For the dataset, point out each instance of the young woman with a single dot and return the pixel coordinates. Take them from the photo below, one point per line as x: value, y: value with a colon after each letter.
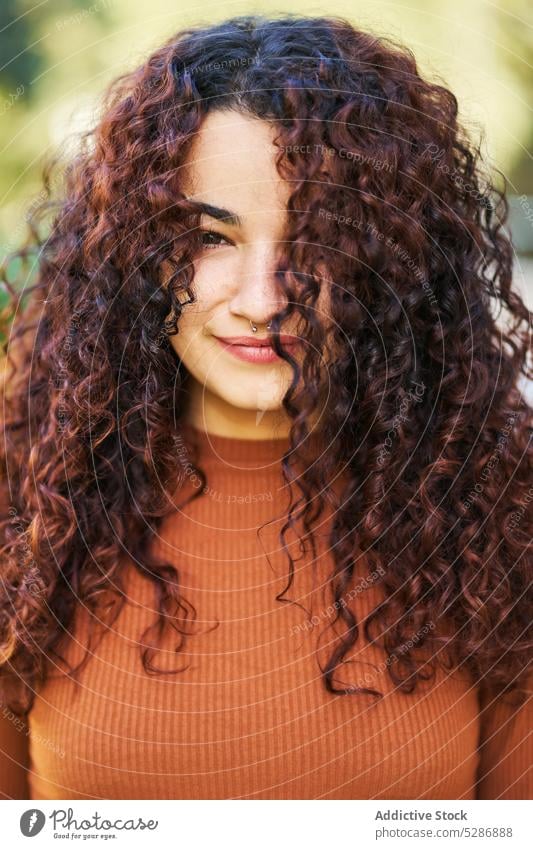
x: 267, y: 469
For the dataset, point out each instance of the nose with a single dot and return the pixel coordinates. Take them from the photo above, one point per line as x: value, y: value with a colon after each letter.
x: 257, y: 296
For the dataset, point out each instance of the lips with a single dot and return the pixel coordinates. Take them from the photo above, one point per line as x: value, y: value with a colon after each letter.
x: 254, y: 350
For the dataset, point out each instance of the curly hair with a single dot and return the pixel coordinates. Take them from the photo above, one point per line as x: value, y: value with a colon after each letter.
x: 390, y: 196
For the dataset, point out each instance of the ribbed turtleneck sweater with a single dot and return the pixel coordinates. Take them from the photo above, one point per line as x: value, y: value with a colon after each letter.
x: 250, y: 717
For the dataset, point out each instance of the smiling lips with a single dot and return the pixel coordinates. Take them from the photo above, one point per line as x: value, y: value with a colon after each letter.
x: 256, y: 350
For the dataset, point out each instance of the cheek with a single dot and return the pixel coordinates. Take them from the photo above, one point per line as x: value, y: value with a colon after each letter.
x: 212, y: 284
x: 210, y: 294
x: 212, y: 290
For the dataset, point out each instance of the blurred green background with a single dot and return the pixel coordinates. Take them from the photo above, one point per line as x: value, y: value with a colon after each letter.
x: 56, y: 57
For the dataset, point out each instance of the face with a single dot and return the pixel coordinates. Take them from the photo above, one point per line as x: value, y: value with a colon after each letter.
x: 236, y: 389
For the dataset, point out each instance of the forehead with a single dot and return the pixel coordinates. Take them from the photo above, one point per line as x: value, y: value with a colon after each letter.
x: 231, y: 163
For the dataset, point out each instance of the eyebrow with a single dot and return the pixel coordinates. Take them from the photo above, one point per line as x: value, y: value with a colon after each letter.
x: 219, y: 213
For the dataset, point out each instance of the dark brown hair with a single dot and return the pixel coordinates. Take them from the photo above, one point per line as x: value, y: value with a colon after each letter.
x: 389, y: 196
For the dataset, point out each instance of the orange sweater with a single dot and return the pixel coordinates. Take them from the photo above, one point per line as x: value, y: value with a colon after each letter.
x: 250, y: 717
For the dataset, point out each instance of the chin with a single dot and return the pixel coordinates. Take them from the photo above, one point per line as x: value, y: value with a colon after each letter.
x: 251, y: 402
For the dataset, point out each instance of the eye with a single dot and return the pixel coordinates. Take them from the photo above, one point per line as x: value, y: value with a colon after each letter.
x: 210, y: 239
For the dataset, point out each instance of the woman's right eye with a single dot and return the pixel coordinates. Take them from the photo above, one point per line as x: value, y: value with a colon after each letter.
x: 210, y: 239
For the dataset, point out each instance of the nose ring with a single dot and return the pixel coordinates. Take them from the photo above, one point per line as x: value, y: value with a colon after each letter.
x: 254, y: 328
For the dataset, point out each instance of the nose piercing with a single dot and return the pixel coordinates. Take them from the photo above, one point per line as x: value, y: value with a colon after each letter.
x: 254, y: 328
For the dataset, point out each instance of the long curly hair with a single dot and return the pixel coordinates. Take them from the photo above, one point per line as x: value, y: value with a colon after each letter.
x: 390, y: 198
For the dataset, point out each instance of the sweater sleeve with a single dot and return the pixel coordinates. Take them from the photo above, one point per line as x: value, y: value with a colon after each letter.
x: 506, y: 745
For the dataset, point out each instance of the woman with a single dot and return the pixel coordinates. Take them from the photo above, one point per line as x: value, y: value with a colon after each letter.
x: 266, y: 457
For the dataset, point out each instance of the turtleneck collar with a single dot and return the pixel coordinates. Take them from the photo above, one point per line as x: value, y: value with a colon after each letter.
x: 236, y: 450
